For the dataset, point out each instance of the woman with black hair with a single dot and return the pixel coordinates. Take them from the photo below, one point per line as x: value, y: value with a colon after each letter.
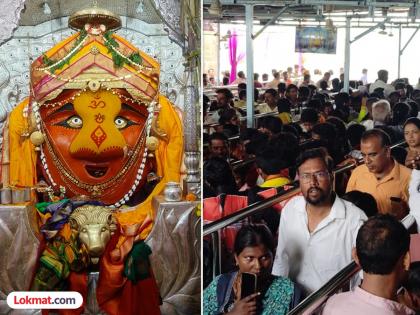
x: 412, y: 137
x: 254, y: 247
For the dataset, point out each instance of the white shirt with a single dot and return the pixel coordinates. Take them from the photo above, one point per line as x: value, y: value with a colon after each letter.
x: 311, y: 259
x: 388, y: 88
x: 364, y: 79
x: 273, y: 84
x: 368, y: 123
x: 318, y: 84
x: 263, y: 108
x: 414, y: 195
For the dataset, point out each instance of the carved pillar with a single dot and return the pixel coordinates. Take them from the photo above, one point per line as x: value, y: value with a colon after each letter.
x: 192, y: 183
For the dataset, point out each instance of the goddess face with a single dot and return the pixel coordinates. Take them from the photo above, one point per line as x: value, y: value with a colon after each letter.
x: 95, y: 142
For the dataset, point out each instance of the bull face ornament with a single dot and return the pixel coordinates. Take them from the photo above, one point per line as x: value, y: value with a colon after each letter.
x: 95, y: 225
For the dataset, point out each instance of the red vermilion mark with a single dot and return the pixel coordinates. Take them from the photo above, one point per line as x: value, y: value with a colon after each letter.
x: 98, y: 136
x: 94, y: 104
x: 99, y: 118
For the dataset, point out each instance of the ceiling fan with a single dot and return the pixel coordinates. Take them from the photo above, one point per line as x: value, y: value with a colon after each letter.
x: 215, y: 9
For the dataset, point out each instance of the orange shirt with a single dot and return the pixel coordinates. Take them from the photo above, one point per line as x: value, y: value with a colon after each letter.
x: 395, y: 184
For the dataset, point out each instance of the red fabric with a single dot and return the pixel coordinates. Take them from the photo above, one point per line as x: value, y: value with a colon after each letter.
x: 415, y: 247
x: 212, y: 210
x: 77, y: 282
x: 118, y: 296
x: 234, y: 203
x: 270, y: 192
x: 115, y: 294
x: 229, y: 235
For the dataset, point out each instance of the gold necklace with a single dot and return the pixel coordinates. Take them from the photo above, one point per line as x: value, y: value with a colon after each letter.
x: 96, y: 190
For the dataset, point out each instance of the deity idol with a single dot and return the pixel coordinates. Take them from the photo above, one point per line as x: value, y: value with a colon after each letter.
x: 96, y: 129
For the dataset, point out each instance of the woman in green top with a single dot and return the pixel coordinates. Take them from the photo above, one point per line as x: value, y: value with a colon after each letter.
x: 253, y: 248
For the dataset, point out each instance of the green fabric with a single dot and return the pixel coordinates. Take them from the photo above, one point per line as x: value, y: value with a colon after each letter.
x: 41, y: 206
x: 210, y: 306
x: 276, y: 300
x: 47, y: 280
x: 57, y: 260
x: 137, y: 265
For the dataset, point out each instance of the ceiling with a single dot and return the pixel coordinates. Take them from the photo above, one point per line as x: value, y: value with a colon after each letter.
x: 316, y: 10
x: 34, y: 14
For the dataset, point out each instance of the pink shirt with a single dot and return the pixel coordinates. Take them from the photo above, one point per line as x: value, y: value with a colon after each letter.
x: 361, y: 302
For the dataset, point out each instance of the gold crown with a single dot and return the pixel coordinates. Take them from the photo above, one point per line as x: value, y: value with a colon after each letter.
x: 94, y: 16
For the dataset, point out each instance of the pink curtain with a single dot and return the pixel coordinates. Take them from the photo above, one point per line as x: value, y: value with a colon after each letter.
x: 233, y: 58
x: 301, y: 61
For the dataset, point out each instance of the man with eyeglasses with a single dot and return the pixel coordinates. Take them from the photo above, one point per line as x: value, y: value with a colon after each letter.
x: 318, y: 229
x: 381, y: 176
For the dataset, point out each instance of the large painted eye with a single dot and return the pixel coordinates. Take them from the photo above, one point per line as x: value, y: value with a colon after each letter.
x: 75, y: 122
x: 120, y: 122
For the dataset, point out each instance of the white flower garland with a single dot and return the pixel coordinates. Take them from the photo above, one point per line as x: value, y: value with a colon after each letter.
x: 140, y: 171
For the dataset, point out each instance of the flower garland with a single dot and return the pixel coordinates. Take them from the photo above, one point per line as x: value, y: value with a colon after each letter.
x: 54, y: 65
x: 140, y: 171
x: 119, y: 58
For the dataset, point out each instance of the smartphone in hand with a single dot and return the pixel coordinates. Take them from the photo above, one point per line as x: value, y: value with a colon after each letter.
x: 399, y: 207
x: 248, y: 284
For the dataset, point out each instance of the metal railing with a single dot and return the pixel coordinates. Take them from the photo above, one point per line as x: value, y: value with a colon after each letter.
x: 314, y: 301
x: 214, y: 227
x: 254, y: 208
x: 237, y: 164
x: 257, y: 116
x: 248, y: 211
x: 242, y: 119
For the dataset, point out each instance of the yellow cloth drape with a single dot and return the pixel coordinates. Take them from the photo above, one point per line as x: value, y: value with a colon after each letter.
x: 275, y: 182
x: 363, y: 112
x: 286, y: 118
x: 22, y: 153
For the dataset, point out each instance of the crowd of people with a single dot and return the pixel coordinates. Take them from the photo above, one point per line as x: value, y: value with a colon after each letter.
x: 307, y: 131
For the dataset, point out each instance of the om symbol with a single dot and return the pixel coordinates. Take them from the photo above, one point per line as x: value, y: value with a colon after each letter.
x: 99, y: 118
x: 94, y: 104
